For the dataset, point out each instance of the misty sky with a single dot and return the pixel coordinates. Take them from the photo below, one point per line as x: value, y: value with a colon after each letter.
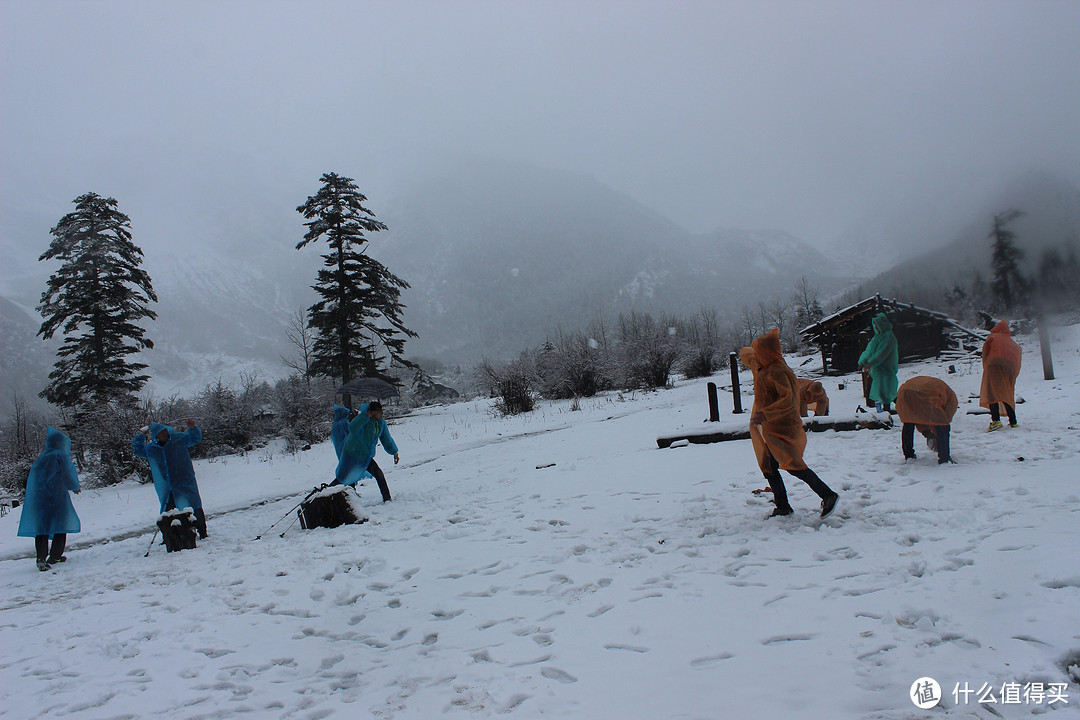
x: 812, y: 117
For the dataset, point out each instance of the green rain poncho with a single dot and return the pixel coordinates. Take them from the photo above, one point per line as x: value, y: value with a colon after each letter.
x: 882, y: 357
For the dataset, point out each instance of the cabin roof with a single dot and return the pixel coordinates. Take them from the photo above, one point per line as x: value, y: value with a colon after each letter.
x: 877, y: 304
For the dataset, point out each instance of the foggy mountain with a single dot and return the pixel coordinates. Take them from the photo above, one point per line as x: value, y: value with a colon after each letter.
x: 1051, y: 219
x: 499, y: 255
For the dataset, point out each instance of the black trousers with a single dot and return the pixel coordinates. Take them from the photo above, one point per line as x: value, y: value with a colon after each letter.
x: 779, y: 491
x: 940, y: 436
x: 41, y: 545
x: 995, y: 412
x: 376, y: 471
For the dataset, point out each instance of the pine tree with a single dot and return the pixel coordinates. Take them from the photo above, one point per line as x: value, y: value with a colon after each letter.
x: 1008, y: 284
x: 97, y: 297
x: 358, y: 317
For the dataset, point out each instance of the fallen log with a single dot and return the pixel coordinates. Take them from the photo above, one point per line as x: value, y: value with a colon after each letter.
x: 725, y: 431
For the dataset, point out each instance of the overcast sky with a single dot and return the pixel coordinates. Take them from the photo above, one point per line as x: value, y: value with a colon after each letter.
x: 812, y: 117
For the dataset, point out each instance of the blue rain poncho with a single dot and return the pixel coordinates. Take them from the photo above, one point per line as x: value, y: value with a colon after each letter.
x: 340, y: 429
x: 359, y: 451
x: 170, y: 464
x: 882, y: 357
x: 47, y: 509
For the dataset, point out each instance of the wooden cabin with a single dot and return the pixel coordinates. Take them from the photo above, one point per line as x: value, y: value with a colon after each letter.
x: 920, y: 334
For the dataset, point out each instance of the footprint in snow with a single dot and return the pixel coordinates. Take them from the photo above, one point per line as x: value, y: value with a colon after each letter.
x: 630, y: 648
x: 710, y: 660
x: 557, y: 674
x: 787, y: 638
x: 213, y: 653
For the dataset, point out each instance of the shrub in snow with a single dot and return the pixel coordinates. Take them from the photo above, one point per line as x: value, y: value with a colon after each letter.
x: 511, y: 383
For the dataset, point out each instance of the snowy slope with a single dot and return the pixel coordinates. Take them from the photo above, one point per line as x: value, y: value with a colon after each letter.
x: 623, y: 582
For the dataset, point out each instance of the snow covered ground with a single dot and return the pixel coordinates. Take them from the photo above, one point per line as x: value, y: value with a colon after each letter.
x: 623, y: 581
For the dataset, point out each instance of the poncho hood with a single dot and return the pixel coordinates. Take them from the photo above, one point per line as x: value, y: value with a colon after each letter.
x: 749, y: 359
x: 56, y: 440
x: 156, y: 428
x: 881, y: 323
x: 1003, y: 328
x: 341, y: 412
x: 767, y: 348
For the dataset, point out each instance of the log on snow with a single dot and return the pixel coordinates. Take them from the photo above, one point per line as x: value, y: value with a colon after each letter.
x: 723, y: 432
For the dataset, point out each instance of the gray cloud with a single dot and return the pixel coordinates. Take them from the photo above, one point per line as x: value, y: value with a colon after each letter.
x: 812, y: 117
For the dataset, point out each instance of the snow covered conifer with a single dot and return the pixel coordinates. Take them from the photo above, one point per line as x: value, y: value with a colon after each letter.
x: 358, y: 316
x: 1009, y: 285
x: 96, y: 298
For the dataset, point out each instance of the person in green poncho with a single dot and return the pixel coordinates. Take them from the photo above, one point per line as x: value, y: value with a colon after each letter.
x: 881, y: 359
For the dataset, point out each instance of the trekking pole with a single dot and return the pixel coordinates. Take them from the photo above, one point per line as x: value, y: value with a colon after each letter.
x: 156, y: 531
x: 289, y: 527
x: 259, y: 537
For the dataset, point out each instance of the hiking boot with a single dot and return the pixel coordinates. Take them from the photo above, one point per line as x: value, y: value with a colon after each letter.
x: 53, y: 561
x: 1014, y: 425
x: 828, y: 505
x: 994, y: 425
x: 779, y: 512
x: 43, y: 566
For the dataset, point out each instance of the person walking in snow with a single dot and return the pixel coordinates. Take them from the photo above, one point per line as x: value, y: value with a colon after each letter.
x: 881, y: 359
x: 776, y: 429
x: 357, y: 459
x: 1001, y: 364
x: 170, y: 465
x: 928, y: 405
x: 812, y: 396
x: 47, y: 510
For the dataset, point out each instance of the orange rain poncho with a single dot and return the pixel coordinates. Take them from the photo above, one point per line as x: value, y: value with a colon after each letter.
x: 1001, y: 365
x: 776, y: 400
x: 812, y: 396
x: 926, y: 402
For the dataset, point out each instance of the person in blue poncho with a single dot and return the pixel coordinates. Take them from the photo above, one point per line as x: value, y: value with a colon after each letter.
x: 170, y: 464
x: 881, y: 359
x: 47, y: 510
x: 340, y: 429
x: 357, y: 458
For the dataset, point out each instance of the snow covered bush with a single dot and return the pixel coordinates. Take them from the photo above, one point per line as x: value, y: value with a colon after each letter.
x: 646, y: 350
x: 512, y: 383
x: 572, y: 365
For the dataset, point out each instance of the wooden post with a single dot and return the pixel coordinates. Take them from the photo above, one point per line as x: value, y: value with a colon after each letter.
x: 736, y: 395
x: 714, y: 404
x: 1044, y: 346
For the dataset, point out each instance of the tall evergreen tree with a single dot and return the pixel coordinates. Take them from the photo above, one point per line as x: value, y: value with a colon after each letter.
x: 97, y: 297
x: 358, y: 316
x: 1008, y: 284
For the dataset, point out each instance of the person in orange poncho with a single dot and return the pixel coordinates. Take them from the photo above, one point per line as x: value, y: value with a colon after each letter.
x: 1001, y: 365
x: 812, y: 396
x: 776, y: 429
x: 926, y: 404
